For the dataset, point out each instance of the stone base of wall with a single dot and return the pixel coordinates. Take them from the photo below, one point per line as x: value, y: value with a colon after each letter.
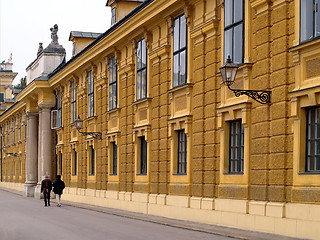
x: 288, y: 219
x: 12, y: 186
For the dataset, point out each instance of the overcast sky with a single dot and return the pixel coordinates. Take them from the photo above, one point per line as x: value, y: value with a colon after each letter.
x: 25, y: 23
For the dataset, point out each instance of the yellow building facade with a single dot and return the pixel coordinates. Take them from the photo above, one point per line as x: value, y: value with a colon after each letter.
x: 162, y: 135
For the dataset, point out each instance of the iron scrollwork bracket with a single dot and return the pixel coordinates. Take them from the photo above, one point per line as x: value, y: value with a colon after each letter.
x: 261, y: 96
x: 92, y: 134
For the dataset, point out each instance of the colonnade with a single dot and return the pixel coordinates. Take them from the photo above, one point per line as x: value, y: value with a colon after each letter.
x: 39, y: 150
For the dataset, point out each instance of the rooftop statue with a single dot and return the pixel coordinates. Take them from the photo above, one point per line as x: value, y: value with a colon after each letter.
x: 10, y: 58
x: 40, y: 49
x: 54, y: 35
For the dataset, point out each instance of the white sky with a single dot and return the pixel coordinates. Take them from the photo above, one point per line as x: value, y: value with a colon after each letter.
x: 25, y: 23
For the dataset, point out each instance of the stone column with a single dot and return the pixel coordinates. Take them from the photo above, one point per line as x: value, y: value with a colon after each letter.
x: 45, y: 146
x: 39, y: 147
x: 37, y: 191
x: 31, y: 155
x: 46, y: 139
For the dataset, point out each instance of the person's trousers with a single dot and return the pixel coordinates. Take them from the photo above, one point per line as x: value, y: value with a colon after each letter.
x: 46, y: 196
x: 58, y: 196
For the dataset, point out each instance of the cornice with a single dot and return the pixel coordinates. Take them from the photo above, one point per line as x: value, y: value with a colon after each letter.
x: 105, y: 45
x: 33, y: 88
x: 12, y: 111
x: 8, y: 74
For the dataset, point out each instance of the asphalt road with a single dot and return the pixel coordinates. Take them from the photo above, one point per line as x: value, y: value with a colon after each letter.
x: 27, y: 218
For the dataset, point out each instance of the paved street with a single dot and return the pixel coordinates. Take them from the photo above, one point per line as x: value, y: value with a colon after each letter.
x: 27, y: 218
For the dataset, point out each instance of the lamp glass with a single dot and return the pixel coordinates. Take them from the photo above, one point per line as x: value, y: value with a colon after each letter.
x: 78, y: 123
x: 228, y: 72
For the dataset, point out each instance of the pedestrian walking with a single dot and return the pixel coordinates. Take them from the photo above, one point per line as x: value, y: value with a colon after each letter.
x: 58, y: 186
x: 46, y: 187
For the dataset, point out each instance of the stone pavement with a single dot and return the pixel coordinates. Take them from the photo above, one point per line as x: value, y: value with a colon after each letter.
x: 194, y: 226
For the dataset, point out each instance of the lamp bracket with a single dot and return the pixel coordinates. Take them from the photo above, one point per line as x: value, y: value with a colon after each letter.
x: 261, y: 96
x: 92, y: 134
x: 12, y: 154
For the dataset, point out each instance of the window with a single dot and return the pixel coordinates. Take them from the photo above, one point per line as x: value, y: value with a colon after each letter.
x: 114, y: 158
x: 20, y: 167
x: 313, y: 140
x: 179, y: 51
x: 182, y: 153
x: 113, y: 15
x: 19, y: 128
x: 8, y: 134
x: 3, y: 137
x: 73, y: 101
x: 112, y: 83
x: 143, y: 155
x: 60, y: 163
x: 58, y: 160
x: 59, y: 109
x: 90, y: 81
x: 234, y: 30
x: 13, y: 132
x: 92, y: 161
x: 309, y: 19
x: 25, y: 126
x: 141, y: 69
x: 75, y: 159
x: 236, y: 147
x: 56, y: 164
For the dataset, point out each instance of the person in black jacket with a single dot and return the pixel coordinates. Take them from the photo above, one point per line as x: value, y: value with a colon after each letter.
x: 46, y: 187
x: 58, y: 186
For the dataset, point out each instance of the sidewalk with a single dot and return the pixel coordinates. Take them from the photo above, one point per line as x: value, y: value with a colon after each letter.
x: 194, y: 226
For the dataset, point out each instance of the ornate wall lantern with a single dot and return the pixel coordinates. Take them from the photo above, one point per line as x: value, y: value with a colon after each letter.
x: 78, y: 123
x: 228, y: 73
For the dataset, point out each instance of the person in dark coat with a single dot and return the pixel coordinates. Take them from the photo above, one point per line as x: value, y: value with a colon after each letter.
x: 46, y: 187
x: 58, y: 186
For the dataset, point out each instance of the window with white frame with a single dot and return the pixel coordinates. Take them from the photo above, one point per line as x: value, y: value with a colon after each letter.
x: 90, y: 81
x: 179, y: 51
x: 309, y: 19
x: 112, y: 83
x: 234, y: 30
x: 73, y: 101
x: 59, y: 109
x: 141, y: 70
